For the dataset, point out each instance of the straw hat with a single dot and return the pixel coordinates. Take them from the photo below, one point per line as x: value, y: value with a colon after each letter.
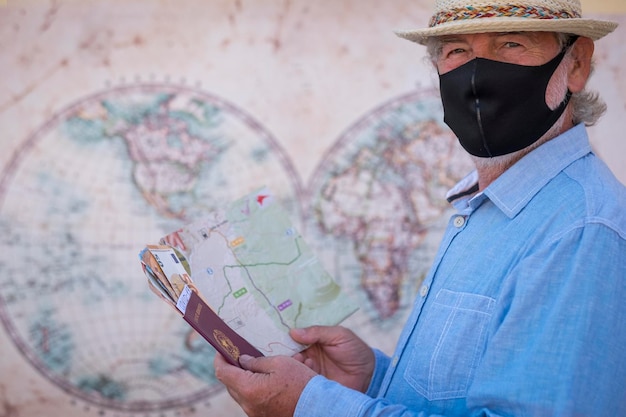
x: 454, y: 17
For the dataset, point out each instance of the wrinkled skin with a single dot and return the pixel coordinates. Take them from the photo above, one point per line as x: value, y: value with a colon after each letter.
x: 271, y: 386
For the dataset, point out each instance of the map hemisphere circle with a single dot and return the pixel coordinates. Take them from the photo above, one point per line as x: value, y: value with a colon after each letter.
x: 103, y: 177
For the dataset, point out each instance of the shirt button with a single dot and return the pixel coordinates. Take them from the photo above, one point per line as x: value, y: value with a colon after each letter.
x: 394, y: 362
x: 424, y: 290
x: 459, y: 221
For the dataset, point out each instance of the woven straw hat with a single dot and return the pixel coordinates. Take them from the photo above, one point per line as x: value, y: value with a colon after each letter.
x: 455, y: 17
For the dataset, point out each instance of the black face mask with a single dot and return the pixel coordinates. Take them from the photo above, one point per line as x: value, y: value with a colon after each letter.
x: 496, y: 108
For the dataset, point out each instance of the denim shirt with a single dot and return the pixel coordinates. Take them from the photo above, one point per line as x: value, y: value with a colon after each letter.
x: 523, y: 312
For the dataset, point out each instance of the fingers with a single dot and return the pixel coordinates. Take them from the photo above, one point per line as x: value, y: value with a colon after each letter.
x: 299, y: 357
x: 225, y: 372
x: 257, y: 365
x: 233, y: 378
x: 307, y: 335
x: 326, y: 335
x: 312, y: 365
x: 267, y: 386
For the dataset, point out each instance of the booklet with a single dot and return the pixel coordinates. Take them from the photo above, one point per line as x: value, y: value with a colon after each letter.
x: 243, y: 276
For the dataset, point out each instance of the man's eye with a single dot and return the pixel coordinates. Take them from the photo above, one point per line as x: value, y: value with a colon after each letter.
x: 454, y: 51
x: 512, y: 45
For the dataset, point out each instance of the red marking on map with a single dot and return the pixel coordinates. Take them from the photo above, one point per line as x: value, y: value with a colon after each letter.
x: 260, y: 198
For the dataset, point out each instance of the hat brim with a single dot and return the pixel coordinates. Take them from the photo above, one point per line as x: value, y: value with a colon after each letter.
x: 590, y: 28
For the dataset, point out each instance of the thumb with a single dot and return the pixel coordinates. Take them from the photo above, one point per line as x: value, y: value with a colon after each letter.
x: 317, y: 334
x: 306, y: 335
x: 256, y: 365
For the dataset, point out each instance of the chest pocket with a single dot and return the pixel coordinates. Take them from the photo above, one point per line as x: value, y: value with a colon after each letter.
x: 448, y: 344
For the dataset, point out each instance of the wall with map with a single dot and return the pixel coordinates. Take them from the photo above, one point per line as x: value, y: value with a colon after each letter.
x: 122, y: 120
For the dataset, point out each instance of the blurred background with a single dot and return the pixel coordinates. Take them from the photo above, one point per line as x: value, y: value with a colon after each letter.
x: 122, y: 120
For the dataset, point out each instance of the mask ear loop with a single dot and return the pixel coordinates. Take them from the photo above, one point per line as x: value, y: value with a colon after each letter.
x: 558, y: 111
x: 570, y: 42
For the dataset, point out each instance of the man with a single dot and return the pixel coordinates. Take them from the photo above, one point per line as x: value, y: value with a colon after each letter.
x: 522, y: 313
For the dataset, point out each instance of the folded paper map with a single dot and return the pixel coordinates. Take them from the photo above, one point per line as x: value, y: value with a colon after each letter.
x: 243, y: 276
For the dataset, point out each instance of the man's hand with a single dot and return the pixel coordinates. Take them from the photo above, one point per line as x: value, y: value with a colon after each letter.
x: 267, y: 386
x: 338, y: 354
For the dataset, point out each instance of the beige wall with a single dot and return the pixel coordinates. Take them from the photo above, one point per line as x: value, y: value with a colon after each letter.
x: 306, y: 70
x: 604, y: 6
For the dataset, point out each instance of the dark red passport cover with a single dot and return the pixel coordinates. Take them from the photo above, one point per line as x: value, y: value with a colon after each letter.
x: 210, y: 326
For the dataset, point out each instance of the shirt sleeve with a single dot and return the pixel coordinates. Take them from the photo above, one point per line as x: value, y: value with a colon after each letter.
x: 381, y: 364
x: 322, y: 398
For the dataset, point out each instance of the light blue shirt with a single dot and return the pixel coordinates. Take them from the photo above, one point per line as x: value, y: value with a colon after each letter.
x: 523, y: 312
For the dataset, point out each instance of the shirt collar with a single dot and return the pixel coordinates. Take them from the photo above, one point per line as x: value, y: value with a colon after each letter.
x: 512, y: 190
x: 464, y: 189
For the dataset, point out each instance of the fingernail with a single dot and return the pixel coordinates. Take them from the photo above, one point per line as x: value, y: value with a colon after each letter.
x: 244, y: 359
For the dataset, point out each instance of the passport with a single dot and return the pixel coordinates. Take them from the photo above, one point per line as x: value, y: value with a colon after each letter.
x: 168, y: 278
x: 210, y: 326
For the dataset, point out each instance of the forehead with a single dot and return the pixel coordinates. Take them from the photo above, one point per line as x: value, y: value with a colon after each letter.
x: 536, y: 38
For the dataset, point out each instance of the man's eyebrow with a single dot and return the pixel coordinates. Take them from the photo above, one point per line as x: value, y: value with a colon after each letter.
x: 529, y: 35
x: 450, y: 39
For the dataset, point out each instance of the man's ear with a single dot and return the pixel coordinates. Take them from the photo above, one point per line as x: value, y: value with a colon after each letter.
x: 581, y: 55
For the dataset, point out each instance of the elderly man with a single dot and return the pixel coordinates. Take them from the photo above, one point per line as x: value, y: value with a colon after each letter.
x: 523, y: 311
